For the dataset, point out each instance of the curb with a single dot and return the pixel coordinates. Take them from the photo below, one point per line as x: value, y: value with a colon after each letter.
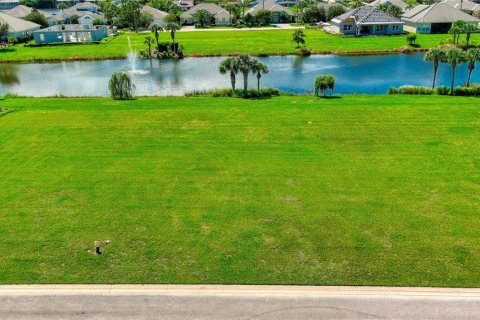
x: 246, y: 290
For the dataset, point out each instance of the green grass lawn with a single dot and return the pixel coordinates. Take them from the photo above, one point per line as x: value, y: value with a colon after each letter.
x: 208, y: 43
x: 360, y: 190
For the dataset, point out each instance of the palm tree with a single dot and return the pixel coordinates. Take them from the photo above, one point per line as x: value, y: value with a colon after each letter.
x: 455, y: 30
x: 471, y: 57
x: 259, y: 68
x: 453, y: 56
x: 232, y: 9
x: 469, y: 29
x: 148, y: 41
x: 245, y: 63
x: 156, y: 29
x: 435, y: 55
x: 172, y: 27
x: 230, y: 65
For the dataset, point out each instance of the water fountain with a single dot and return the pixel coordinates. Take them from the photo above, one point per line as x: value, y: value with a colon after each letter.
x: 132, y: 56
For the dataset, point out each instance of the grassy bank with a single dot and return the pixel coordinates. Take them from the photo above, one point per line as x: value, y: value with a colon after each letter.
x: 360, y: 190
x: 208, y: 43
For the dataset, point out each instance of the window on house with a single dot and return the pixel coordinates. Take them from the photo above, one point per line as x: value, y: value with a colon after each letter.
x: 347, y: 27
x: 42, y: 37
x: 395, y: 28
x: 378, y: 28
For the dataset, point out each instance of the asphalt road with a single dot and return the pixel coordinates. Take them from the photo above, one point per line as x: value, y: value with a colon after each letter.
x: 235, y: 306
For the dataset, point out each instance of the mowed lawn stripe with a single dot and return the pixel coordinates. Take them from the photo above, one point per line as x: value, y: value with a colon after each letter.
x: 359, y: 190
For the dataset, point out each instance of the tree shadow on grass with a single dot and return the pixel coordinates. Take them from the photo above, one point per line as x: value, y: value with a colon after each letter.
x: 328, y: 97
x: 7, y: 50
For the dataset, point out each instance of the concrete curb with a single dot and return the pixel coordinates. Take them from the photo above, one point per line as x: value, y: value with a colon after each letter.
x: 247, y: 290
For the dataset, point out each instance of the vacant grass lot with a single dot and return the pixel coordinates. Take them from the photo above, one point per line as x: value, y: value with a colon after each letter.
x: 360, y: 190
x: 208, y: 43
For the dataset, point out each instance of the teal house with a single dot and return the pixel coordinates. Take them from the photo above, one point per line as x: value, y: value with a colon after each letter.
x: 70, y: 33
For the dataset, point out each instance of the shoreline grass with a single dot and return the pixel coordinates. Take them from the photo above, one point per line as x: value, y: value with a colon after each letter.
x: 224, y: 43
x: 359, y: 190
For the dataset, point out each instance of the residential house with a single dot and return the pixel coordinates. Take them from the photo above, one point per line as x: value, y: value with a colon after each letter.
x: 367, y: 20
x: 399, y: 3
x: 435, y: 18
x: 465, y: 5
x: 17, y: 27
x: 220, y: 16
x: 22, y: 11
x: 185, y: 5
x: 70, y: 33
x: 280, y: 14
x: 86, y: 12
x: 158, y: 15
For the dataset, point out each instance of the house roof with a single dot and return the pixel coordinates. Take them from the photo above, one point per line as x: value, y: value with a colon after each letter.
x: 72, y: 12
x: 436, y: 13
x: 22, y: 11
x: 210, y: 7
x: 367, y: 16
x: 85, y: 5
x: 399, y: 3
x: 157, y: 14
x: 328, y: 5
x: 17, y: 24
x: 464, y: 4
x: 269, y: 5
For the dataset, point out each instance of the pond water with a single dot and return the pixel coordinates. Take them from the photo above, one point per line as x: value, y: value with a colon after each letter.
x: 355, y: 74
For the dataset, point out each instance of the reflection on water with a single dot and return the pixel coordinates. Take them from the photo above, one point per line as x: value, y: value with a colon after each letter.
x: 364, y: 74
x: 9, y: 74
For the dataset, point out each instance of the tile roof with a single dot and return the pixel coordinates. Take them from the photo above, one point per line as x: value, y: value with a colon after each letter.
x: 368, y: 15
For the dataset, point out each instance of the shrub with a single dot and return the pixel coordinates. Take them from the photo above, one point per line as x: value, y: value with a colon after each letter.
x: 12, y: 40
x: 263, y: 93
x: 411, y: 38
x: 263, y: 17
x: 408, y: 89
x: 472, y: 91
x: 304, y: 51
x: 121, y: 86
x: 442, y: 90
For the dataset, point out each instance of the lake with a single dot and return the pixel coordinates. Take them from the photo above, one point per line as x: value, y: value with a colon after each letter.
x: 355, y: 74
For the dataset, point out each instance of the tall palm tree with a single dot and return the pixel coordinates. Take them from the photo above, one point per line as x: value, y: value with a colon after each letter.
x: 156, y: 29
x: 471, y: 57
x: 230, y: 65
x: 148, y: 42
x: 173, y: 28
x: 453, y: 56
x: 259, y: 68
x: 435, y: 55
x: 469, y: 29
x: 245, y: 63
